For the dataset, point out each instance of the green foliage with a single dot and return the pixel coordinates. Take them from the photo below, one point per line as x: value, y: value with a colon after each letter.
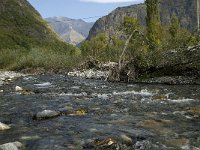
x: 37, y: 58
x: 153, y: 23
x: 115, y: 49
x: 130, y: 24
x: 174, y: 27
x: 97, y: 47
x: 176, y: 36
x: 102, y: 48
x: 137, y: 46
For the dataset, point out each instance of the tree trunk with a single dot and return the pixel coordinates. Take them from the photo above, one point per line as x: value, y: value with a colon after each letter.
x: 125, y: 47
x: 198, y: 15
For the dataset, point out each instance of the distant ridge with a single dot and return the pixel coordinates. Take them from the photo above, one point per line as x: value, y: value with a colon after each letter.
x: 72, y: 31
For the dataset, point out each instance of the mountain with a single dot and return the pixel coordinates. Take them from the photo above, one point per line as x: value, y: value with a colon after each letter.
x: 184, y: 9
x: 21, y: 26
x: 72, y: 31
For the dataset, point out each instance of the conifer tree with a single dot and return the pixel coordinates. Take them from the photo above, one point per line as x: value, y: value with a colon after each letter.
x: 174, y: 27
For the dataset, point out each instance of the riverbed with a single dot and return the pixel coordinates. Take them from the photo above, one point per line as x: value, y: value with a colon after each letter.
x: 116, y: 115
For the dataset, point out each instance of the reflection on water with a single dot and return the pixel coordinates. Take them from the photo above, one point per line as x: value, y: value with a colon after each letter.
x: 119, y: 116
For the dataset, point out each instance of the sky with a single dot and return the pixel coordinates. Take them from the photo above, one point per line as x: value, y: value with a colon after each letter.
x: 79, y: 9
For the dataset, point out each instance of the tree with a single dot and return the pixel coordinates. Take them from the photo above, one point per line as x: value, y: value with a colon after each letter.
x: 153, y: 23
x: 130, y: 27
x: 96, y: 47
x: 174, y: 26
x: 179, y: 37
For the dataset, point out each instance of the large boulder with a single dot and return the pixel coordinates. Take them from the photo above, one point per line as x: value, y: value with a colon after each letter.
x: 11, y: 146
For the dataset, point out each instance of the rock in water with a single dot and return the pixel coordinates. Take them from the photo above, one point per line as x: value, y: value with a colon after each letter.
x: 126, y: 139
x: 143, y: 145
x: 3, y: 127
x: 46, y: 114
x: 11, y: 146
x: 18, y: 88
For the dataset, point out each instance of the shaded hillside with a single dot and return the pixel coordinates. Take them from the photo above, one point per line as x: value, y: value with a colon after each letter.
x: 21, y: 26
x: 184, y: 9
x: 72, y: 31
x: 26, y: 40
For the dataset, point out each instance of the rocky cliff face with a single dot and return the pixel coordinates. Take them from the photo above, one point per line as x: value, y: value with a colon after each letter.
x: 71, y: 30
x: 184, y: 9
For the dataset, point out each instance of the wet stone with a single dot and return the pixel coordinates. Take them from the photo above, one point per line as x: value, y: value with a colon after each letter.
x: 11, y: 146
x: 153, y: 123
x: 26, y: 92
x: 159, y: 97
x: 104, y: 144
x: 46, y: 114
x: 3, y: 127
x: 142, y: 145
x: 178, y: 142
x: 18, y: 89
x: 195, y: 110
x: 126, y: 139
x: 80, y: 112
x: 109, y: 144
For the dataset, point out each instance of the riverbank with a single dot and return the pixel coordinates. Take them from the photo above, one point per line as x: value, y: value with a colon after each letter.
x: 180, y: 66
x: 7, y: 76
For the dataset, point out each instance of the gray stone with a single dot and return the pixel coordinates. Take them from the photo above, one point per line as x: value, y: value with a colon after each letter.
x: 46, y: 114
x: 18, y: 88
x: 8, y: 75
x: 3, y: 127
x: 142, y: 145
x: 11, y: 146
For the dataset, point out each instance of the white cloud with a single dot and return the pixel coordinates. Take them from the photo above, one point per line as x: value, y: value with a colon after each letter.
x: 110, y: 1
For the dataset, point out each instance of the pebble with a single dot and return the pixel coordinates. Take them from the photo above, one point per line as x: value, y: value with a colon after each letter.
x: 3, y: 127
x: 18, y: 88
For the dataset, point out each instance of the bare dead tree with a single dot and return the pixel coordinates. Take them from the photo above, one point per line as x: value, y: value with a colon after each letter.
x: 120, y: 63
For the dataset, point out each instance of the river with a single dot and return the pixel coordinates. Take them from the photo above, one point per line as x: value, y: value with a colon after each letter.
x: 116, y: 115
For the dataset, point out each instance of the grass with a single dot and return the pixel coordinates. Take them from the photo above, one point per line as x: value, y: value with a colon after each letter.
x: 37, y: 58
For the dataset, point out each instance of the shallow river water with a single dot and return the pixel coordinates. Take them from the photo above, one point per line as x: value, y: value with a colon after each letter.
x: 116, y: 115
